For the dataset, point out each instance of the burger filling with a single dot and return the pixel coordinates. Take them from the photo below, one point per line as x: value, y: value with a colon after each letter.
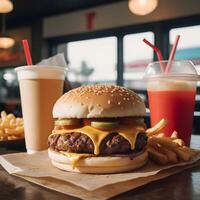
x: 114, y: 143
x: 99, y: 136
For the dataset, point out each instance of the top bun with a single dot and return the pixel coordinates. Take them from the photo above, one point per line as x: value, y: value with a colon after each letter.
x: 99, y: 101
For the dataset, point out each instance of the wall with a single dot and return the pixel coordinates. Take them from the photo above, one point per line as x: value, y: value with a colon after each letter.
x: 13, y: 57
x: 116, y: 15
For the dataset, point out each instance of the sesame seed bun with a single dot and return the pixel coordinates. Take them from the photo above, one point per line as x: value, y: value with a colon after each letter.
x: 99, y: 101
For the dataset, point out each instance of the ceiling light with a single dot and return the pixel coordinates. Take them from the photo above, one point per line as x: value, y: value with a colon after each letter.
x: 6, y: 6
x: 6, y: 42
x: 142, y: 7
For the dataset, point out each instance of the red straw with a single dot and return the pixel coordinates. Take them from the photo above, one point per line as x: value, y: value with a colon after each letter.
x: 27, y: 52
x: 172, y: 54
x: 158, y: 53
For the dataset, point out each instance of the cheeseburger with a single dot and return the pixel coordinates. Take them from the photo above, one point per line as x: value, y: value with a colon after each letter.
x: 98, y: 129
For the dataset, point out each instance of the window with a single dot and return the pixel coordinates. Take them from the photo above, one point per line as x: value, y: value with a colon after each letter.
x: 92, y: 61
x: 9, y: 91
x: 137, y: 55
x: 189, y: 44
x: 8, y: 85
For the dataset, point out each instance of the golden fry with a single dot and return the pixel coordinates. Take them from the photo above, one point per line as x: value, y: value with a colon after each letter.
x: 12, y: 122
x: 1, y: 133
x: 173, y: 148
x: 157, y: 156
x: 11, y: 127
x: 3, y: 115
x: 20, y: 129
x: 166, y: 142
x: 158, y: 127
x: 174, y: 135
x: 1, y: 138
x: 18, y: 119
x: 172, y: 157
x: 183, y: 155
x: 12, y: 137
x: 2, y: 128
x: 4, y: 124
x: 10, y: 116
x: 179, y: 142
x: 19, y: 122
x: 160, y: 135
x: 4, y: 137
x: 14, y: 132
x: 190, y: 151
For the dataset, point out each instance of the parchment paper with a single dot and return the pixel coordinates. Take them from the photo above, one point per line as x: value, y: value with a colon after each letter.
x: 105, y: 192
x: 38, y: 169
x: 56, y: 60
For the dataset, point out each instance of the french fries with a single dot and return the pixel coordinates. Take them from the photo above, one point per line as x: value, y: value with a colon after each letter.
x: 174, y: 135
x: 158, y: 127
x: 164, y: 141
x: 164, y: 150
x: 183, y: 155
x: 11, y: 128
x: 179, y: 142
x: 157, y: 156
x: 190, y: 151
x: 160, y: 135
x: 171, y: 156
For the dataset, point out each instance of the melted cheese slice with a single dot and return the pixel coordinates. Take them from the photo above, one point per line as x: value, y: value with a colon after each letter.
x: 128, y: 132
x: 75, y: 157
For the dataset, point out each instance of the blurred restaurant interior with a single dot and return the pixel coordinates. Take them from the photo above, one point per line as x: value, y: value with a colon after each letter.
x: 101, y: 41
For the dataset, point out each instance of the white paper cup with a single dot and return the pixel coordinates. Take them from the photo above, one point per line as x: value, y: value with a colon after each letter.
x: 40, y: 87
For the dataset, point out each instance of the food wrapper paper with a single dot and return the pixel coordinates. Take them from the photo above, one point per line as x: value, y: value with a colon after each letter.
x: 38, y: 169
x: 56, y: 60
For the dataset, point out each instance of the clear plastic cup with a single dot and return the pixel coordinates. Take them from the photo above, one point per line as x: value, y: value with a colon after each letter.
x: 40, y: 87
x: 172, y: 96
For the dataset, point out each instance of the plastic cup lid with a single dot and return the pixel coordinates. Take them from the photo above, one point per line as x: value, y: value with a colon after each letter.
x: 179, y: 70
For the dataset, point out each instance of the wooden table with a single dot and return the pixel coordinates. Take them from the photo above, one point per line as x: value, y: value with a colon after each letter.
x: 182, y: 186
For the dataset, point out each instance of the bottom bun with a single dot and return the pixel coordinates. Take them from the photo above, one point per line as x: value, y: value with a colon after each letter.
x: 98, y: 165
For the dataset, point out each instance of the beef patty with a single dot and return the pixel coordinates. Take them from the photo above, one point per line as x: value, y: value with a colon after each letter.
x: 76, y: 142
